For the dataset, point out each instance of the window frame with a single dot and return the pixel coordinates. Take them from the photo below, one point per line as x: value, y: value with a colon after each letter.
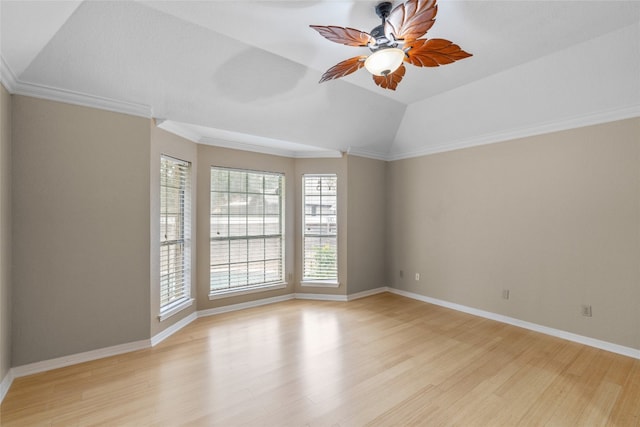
x: 332, y: 282
x: 175, y: 305
x: 248, y: 287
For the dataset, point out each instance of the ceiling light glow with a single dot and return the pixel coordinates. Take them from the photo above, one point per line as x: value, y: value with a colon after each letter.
x: 384, y: 61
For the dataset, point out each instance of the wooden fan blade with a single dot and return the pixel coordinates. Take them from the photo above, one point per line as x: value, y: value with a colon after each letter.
x: 342, y: 35
x: 391, y: 80
x: 344, y: 68
x: 411, y: 20
x: 433, y: 52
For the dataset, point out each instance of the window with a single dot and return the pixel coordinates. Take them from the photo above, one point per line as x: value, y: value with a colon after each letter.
x: 247, y: 239
x: 320, y: 242
x: 175, y: 232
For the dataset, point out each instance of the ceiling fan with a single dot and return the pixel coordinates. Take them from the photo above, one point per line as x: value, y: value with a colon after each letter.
x: 393, y: 42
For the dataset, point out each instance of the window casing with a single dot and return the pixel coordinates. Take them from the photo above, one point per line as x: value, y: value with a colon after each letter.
x: 320, y: 229
x: 246, y: 230
x: 175, y: 233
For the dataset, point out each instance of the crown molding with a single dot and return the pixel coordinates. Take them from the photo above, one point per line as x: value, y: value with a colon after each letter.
x: 19, y: 87
x: 194, y: 136
x: 77, y: 98
x: 16, y: 86
x: 175, y: 128
x: 370, y: 154
x: 268, y: 150
x: 7, y: 77
x: 590, y: 119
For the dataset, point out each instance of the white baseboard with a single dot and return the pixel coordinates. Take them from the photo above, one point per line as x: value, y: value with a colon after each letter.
x: 244, y: 305
x: 367, y: 293
x: 73, y: 359
x: 5, y: 384
x: 46, y: 365
x: 320, y: 297
x: 158, y: 338
x: 591, y: 342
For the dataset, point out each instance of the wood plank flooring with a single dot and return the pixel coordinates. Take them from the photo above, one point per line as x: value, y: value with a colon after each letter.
x: 379, y: 361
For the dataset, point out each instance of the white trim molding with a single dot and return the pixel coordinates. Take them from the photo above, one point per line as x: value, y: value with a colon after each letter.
x: 567, y: 123
x: 18, y: 87
x: 7, y: 77
x: 175, y: 308
x: 320, y: 284
x: 60, y: 362
x: 226, y: 293
x: 321, y: 297
x: 558, y: 333
x: 370, y: 154
x: 73, y: 359
x: 244, y: 305
x: 166, y: 333
x: 82, y: 99
x: 6, y: 384
x: 367, y: 293
x: 245, y: 142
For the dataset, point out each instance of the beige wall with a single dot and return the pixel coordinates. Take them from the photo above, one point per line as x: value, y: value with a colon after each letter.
x: 553, y: 218
x: 5, y: 232
x: 215, y: 156
x: 339, y: 167
x: 366, y: 245
x: 169, y: 144
x: 81, y: 229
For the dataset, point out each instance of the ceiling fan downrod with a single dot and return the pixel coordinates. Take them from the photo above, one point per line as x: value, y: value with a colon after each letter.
x: 383, y: 10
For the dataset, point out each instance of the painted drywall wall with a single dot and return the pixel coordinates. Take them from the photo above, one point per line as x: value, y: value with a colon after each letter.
x: 366, y: 242
x: 209, y: 156
x: 324, y: 166
x: 553, y: 218
x: 80, y: 204
x: 165, y: 143
x: 5, y: 232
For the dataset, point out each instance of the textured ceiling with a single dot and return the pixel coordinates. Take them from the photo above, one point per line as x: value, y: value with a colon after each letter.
x: 245, y: 73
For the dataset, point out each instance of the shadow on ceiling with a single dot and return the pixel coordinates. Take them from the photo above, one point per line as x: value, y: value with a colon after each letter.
x: 255, y: 74
x: 289, y: 4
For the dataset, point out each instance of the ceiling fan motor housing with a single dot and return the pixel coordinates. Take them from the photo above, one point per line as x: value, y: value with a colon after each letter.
x: 383, y: 10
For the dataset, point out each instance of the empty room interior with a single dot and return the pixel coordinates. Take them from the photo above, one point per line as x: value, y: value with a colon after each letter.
x: 319, y: 213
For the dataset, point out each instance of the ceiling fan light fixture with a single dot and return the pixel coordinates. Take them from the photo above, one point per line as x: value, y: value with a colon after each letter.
x: 384, y: 61
x: 401, y: 26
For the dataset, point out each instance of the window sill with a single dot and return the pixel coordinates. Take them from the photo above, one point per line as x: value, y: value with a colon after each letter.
x: 226, y: 293
x: 320, y: 283
x: 174, y: 308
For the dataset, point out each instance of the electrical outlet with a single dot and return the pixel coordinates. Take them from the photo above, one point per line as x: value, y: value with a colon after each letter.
x: 417, y: 276
x: 290, y: 276
x: 401, y: 274
x: 586, y: 310
x: 505, y: 294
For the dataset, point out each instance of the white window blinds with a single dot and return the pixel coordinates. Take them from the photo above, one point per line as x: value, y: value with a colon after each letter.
x: 247, y: 239
x: 320, y: 228
x: 175, y: 231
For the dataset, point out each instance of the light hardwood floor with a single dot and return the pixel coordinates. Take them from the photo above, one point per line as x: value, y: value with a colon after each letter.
x: 379, y: 361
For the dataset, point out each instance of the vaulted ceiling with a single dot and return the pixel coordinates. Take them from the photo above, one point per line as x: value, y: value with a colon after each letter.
x: 245, y: 73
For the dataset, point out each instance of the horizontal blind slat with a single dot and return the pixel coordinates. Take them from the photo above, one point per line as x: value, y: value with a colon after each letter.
x: 245, y: 218
x: 320, y: 229
x: 175, y: 229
